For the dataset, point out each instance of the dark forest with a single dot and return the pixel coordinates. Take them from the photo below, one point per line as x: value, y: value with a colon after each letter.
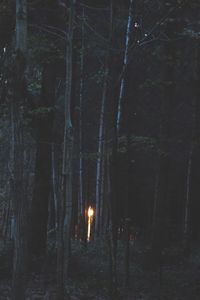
x: 99, y: 150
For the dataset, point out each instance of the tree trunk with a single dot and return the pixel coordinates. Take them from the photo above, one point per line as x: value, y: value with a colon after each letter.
x: 129, y: 30
x: 81, y: 201
x: 112, y: 169
x: 190, y: 192
x: 42, y: 185
x: 21, y: 25
x: 65, y: 206
x: 161, y: 200
x: 130, y: 89
x: 112, y: 232
x: 54, y: 185
x: 195, y: 228
x: 100, y: 146
x: 101, y: 135
x: 19, y: 198
x: 102, y: 192
x: 127, y: 252
x: 186, y: 239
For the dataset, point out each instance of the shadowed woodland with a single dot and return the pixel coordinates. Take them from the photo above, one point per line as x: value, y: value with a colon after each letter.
x: 99, y: 150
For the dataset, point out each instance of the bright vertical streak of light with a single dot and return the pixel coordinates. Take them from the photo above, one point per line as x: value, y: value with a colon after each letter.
x: 89, y: 229
x: 90, y: 216
x: 127, y: 41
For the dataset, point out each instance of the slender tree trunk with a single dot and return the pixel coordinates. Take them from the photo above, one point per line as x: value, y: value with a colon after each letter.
x: 65, y: 207
x: 7, y: 218
x: 114, y: 167
x: 130, y: 89
x: 100, y: 148
x: 112, y: 171
x: 161, y: 203
x: 127, y: 252
x: 112, y: 241
x: 186, y: 242
x: 42, y: 185
x: 195, y: 228
x: 54, y: 184
x: 190, y: 165
x: 102, y: 192
x: 129, y: 30
x: 101, y: 135
x: 21, y: 25
x: 81, y: 201
x: 19, y: 200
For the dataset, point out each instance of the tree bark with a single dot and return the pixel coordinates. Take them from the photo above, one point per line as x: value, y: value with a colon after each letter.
x: 129, y: 30
x: 101, y: 135
x: 42, y: 184
x: 161, y: 200
x: 194, y: 146
x: 112, y: 233
x: 100, y: 146
x: 112, y: 169
x: 54, y: 184
x: 186, y: 232
x: 81, y: 200
x: 65, y: 206
x: 21, y: 25
x: 19, y: 198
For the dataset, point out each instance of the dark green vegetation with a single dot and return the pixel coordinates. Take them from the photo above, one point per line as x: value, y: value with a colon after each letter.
x: 99, y: 107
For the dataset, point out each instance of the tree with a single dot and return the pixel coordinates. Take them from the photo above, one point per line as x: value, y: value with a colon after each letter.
x: 101, y: 135
x: 193, y: 148
x: 65, y: 205
x: 19, y: 200
x: 161, y: 203
x: 42, y: 186
x: 129, y: 31
x: 81, y: 94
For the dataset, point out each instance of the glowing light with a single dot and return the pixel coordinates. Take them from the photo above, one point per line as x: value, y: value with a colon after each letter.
x: 90, y: 212
x: 90, y: 218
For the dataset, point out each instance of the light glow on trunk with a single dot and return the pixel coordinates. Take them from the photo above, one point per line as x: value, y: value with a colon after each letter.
x: 90, y: 218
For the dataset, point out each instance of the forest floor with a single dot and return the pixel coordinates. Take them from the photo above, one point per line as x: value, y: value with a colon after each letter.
x: 89, y: 275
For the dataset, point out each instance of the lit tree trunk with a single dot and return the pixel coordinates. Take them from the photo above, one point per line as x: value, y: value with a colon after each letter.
x: 101, y: 132
x: 112, y: 167
x: 100, y: 151
x: 102, y: 192
x: 65, y: 206
x: 81, y: 202
x: 19, y: 198
x: 129, y: 30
